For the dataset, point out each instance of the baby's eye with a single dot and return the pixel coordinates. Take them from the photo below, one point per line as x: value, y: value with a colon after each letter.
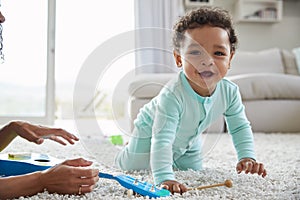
x: 195, y: 52
x: 219, y: 53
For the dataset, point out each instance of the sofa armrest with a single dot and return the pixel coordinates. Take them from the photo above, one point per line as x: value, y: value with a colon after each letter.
x: 147, y: 86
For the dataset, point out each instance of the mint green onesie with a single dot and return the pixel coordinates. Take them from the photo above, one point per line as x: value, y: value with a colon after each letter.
x: 168, y: 129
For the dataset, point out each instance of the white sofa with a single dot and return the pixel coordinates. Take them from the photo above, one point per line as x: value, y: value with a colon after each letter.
x: 269, y: 83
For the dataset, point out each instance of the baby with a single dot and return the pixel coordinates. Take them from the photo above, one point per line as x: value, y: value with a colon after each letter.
x: 168, y: 129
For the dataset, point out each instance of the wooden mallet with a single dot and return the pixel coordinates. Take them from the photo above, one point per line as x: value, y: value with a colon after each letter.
x: 227, y: 183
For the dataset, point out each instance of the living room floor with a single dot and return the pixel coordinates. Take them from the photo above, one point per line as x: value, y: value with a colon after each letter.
x: 279, y: 152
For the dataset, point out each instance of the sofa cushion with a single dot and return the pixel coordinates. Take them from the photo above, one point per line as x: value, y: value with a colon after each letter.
x: 289, y: 62
x: 265, y: 61
x: 268, y: 86
x: 149, y: 85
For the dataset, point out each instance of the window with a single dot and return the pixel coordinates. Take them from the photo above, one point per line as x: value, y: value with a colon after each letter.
x: 81, y: 27
x: 74, y: 28
x: 25, y: 85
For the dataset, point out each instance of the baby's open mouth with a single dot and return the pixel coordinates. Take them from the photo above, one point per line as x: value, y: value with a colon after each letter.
x: 206, y: 74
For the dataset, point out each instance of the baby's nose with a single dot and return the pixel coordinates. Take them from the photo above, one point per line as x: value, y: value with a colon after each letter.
x: 208, y: 61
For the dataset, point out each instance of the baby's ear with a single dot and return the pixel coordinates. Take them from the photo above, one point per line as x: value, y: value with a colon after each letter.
x: 177, y: 58
x: 231, y: 55
x: 230, y: 59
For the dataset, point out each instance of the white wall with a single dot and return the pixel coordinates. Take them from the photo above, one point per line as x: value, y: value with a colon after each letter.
x: 257, y: 36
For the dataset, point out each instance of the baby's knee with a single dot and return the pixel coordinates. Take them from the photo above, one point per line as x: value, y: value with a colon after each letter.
x: 186, y: 164
x: 126, y: 160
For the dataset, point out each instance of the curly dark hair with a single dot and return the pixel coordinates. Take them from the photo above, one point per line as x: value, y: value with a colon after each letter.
x: 206, y: 15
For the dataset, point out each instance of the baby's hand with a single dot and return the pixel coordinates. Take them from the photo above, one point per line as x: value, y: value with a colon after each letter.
x: 250, y: 165
x: 174, y: 187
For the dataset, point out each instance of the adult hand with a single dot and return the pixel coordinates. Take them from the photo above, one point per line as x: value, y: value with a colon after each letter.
x: 251, y: 166
x: 174, y: 187
x: 70, y: 177
x: 37, y: 133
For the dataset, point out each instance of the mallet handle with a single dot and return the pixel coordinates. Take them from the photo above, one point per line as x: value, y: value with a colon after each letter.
x: 227, y: 183
x: 206, y: 186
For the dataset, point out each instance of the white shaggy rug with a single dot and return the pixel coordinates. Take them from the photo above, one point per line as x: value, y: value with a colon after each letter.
x: 279, y: 152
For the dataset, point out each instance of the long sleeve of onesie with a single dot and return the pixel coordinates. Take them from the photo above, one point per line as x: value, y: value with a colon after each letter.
x: 164, y: 128
x: 239, y: 127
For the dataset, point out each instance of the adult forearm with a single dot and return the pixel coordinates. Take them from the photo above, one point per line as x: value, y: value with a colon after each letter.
x: 7, y: 134
x: 24, y: 185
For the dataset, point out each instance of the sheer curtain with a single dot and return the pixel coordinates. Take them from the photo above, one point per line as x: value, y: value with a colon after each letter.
x: 153, y: 21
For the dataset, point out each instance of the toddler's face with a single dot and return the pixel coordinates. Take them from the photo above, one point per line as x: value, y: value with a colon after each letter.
x: 205, y: 57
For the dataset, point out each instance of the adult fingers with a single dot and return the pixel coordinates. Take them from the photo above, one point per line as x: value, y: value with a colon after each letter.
x: 66, y: 135
x: 36, y: 133
x: 89, y: 181
x: 55, y: 138
x: 75, y: 189
x: 85, y: 189
x: 84, y: 172
x: 52, y: 134
x: 78, y: 162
